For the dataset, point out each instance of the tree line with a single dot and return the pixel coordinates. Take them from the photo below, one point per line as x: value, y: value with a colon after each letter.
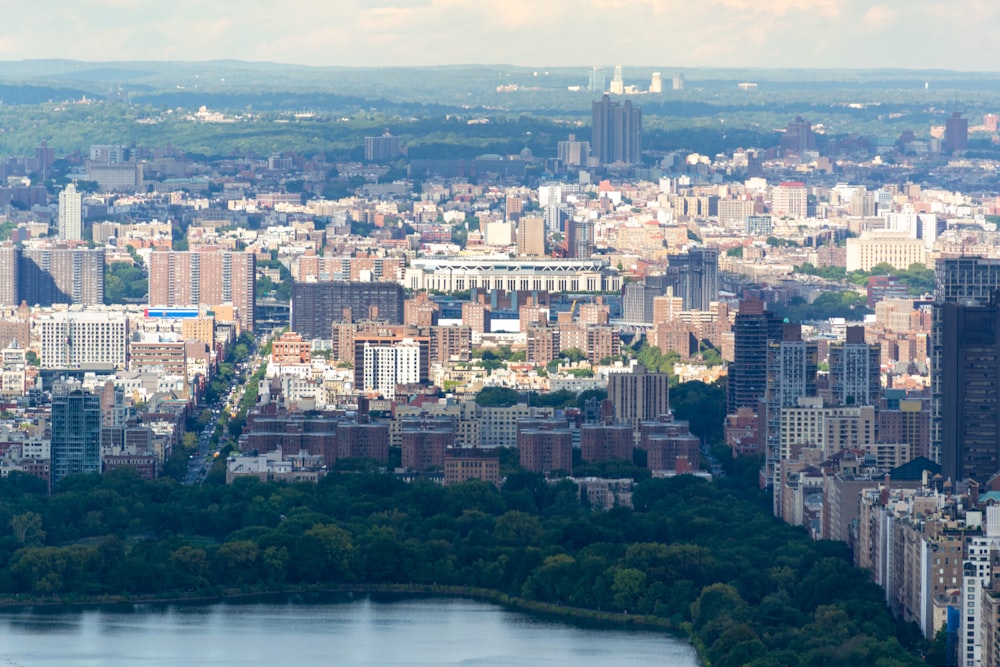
x: 705, y: 557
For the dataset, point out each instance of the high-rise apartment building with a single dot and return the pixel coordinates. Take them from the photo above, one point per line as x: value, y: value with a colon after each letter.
x: 10, y: 259
x: 545, y: 446
x: 76, y: 431
x: 798, y: 136
x: 70, y: 214
x: 84, y: 340
x: 617, y: 132
x: 204, y: 277
x: 790, y: 200
x: 550, y: 201
x: 382, y: 149
x: 531, y: 237
x: 970, y: 397
x: 48, y: 276
x: 386, y: 366
x: 638, y: 396
x: 580, y: 239
x: 694, y: 275
x: 573, y: 153
x: 316, y: 306
x: 791, y: 375
x: 753, y: 329
x: 956, y: 133
x: 855, y: 370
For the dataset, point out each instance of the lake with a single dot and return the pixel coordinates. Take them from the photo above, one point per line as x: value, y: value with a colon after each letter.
x: 362, y: 630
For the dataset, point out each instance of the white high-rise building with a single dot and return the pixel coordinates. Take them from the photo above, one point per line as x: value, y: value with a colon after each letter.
x: 389, y: 365
x: 84, y: 340
x: 70, y: 214
x: 550, y: 201
x: 656, y: 83
x: 617, y: 83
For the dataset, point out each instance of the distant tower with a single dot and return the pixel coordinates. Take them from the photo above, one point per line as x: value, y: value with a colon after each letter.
x: 956, y: 133
x: 656, y: 83
x: 70, y: 214
x: 617, y: 132
x: 798, y: 136
x: 617, y: 84
x: 597, y: 80
x: 678, y: 81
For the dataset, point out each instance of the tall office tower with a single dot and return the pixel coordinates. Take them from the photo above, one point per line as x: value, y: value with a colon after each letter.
x: 531, y: 237
x: 798, y: 136
x: 694, y: 275
x: 382, y: 149
x: 204, y: 277
x: 855, y: 370
x: 678, y: 82
x: 638, y: 396
x: 791, y: 375
x: 596, y: 81
x: 789, y: 199
x: 580, y: 239
x: 970, y: 383
x: 753, y: 330
x: 316, y: 306
x: 76, y: 431
x: 656, y: 83
x: 956, y: 133
x: 963, y: 280
x: 70, y: 214
x: 10, y: 259
x: 617, y: 132
x: 617, y: 83
x: 48, y: 276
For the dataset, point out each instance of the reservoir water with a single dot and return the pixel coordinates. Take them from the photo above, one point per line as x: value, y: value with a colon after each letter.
x: 364, y: 631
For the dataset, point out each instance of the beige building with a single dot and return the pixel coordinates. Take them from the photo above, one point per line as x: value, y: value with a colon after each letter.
x: 872, y: 248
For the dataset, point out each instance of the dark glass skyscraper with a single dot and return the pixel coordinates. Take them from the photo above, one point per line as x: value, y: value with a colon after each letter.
x: 76, y: 432
x: 970, y: 383
x: 959, y: 280
x: 753, y: 329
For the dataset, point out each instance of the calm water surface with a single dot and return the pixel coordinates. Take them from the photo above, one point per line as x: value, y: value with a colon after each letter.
x: 362, y: 631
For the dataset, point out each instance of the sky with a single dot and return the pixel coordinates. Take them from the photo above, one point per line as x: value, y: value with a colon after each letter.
x: 913, y: 34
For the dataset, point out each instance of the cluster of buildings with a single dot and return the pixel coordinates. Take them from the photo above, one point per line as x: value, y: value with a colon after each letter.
x: 533, y: 274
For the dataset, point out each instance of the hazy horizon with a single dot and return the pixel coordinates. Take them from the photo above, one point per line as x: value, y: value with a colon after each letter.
x: 766, y: 34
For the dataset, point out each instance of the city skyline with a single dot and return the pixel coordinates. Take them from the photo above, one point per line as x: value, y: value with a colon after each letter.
x: 721, y: 33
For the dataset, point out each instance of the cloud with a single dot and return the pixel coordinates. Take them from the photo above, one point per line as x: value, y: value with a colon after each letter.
x: 878, y: 17
x: 662, y: 33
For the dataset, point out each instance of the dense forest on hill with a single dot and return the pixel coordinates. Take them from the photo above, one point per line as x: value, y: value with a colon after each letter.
x: 707, y: 558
